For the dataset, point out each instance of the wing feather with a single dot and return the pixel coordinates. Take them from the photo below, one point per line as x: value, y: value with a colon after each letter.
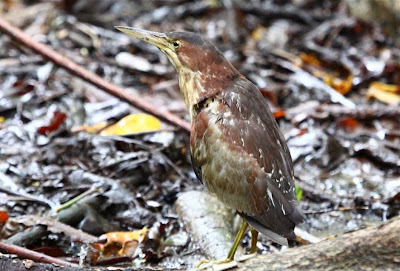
x: 243, y: 158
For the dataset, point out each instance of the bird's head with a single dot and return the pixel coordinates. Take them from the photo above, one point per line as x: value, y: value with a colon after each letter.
x: 203, y: 69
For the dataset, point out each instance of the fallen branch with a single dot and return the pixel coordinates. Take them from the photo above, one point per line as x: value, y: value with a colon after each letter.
x: 372, y: 248
x: 361, y: 112
x: 209, y: 222
x: 323, y: 111
x: 44, y: 50
x: 25, y: 253
x: 68, y: 216
x: 10, y: 264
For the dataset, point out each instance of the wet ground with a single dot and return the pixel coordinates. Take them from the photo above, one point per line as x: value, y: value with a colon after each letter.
x: 332, y: 82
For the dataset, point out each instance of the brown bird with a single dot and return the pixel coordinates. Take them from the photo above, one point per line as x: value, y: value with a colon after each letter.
x: 236, y: 146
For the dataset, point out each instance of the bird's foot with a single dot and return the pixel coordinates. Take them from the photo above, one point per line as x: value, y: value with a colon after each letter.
x: 232, y: 251
x: 223, y: 261
x: 200, y: 263
x: 226, y: 261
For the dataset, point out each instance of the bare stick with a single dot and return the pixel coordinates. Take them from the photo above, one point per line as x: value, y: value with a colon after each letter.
x: 372, y: 248
x: 44, y: 50
x: 25, y: 253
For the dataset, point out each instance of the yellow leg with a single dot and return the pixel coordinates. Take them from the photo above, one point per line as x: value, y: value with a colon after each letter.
x: 200, y: 263
x: 254, y: 236
x: 233, y: 249
x: 236, y: 243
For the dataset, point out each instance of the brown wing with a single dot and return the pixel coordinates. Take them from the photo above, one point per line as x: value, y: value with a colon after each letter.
x: 196, y: 169
x: 244, y: 160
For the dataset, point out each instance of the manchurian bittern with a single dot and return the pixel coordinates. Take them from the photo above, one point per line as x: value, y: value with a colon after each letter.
x: 237, y: 148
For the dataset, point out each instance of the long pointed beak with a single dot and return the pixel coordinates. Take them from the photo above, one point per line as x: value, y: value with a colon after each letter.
x: 155, y: 38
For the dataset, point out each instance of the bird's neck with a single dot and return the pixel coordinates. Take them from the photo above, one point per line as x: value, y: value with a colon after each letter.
x: 197, y: 86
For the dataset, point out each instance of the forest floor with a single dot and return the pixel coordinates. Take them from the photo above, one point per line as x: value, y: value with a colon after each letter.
x: 332, y: 82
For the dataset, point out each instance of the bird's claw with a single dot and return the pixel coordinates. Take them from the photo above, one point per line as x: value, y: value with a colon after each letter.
x: 228, y: 262
x: 200, y: 263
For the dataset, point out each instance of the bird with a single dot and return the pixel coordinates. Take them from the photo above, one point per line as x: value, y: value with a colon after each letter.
x: 237, y: 149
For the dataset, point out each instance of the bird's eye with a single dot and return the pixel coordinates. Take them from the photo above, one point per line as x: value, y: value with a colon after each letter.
x: 176, y: 44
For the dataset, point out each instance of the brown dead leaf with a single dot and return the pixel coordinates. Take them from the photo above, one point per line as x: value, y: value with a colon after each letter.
x: 335, y: 75
x: 349, y: 124
x: 384, y: 93
x: 121, y: 243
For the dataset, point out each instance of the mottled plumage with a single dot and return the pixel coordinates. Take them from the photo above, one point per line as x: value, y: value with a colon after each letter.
x: 242, y: 157
x: 237, y: 149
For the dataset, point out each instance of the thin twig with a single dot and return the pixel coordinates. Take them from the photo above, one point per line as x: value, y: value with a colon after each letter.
x: 25, y: 253
x: 323, y: 111
x: 171, y: 164
x: 76, y: 199
x: 47, y: 52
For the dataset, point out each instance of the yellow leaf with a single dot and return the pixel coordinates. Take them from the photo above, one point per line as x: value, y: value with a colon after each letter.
x: 93, y: 129
x: 2, y: 119
x: 336, y: 75
x: 131, y: 124
x: 258, y: 33
x: 341, y: 85
x: 384, y: 93
x: 385, y: 87
x: 125, y: 236
x: 122, y: 238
